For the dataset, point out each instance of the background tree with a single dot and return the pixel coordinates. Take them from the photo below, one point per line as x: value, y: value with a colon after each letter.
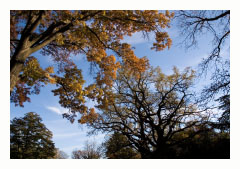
x: 63, y: 34
x: 59, y: 154
x: 149, y: 108
x: 30, y: 139
x: 119, y: 147
x: 192, y: 25
x: 90, y: 151
x: 208, y: 144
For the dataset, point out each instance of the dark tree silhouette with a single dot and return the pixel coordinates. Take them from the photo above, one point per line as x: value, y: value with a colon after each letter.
x: 150, y: 108
x: 119, y: 147
x: 30, y: 139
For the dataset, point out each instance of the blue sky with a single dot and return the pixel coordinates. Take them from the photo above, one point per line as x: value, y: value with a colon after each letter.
x: 67, y: 136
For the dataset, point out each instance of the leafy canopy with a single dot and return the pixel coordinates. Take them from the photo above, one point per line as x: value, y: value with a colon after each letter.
x: 150, y: 108
x: 63, y: 34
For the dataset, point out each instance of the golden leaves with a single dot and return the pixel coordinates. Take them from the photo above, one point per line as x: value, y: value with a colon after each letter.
x: 90, y: 117
x: 50, y: 69
x: 59, y: 39
x: 104, y: 31
x: 91, y: 33
x: 33, y: 73
x: 32, y: 76
x: 163, y: 41
x: 73, y: 95
x: 70, y: 89
x: 96, y: 55
x: 135, y: 64
x: 109, y: 68
x: 177, y: 78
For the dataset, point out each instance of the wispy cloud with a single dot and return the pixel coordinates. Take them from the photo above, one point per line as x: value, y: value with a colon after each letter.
x: 57, y: 110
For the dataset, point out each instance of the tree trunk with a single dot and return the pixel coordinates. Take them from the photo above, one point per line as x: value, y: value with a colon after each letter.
x: 16, y: 66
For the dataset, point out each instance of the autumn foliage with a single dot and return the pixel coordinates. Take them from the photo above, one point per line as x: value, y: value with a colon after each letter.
x: 62, y: 35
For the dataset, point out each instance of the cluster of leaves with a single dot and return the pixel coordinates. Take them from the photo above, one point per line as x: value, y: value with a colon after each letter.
x: 31, y: 79
x: 30, y: 139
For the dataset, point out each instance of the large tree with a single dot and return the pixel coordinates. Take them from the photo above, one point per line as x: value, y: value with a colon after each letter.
x: 30, y: 139
x: 216, y: 24
x: 62, y: 34
x: 150, y: 108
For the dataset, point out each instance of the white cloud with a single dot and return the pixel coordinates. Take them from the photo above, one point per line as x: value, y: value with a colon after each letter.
x: 56, y: 110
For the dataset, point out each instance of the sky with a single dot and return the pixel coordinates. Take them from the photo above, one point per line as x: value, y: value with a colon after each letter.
x: 68, y: 137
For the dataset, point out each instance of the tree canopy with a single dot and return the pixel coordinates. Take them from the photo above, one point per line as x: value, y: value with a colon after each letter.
x: 150, y: 108
x: 30, y: 139
x: 63, y: 34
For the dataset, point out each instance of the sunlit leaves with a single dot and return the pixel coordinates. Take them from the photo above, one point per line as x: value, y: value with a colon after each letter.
x: 32, y: 78
x: 92, y: 33
x: 163, y: 41
x: 72, y: 95
x: 70, y: 89
x: 177, y: 79
x: 32, y: 72
x: 89, y: 118
x: 109, y: 73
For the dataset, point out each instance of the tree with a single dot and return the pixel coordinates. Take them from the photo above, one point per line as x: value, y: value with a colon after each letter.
x: 90, y: 151
x: 208, y: 144
x: 62, y: 34
x: 150, y: 108
x: 30, y: 139
x: 59, y: 154
x: 192, y: 25
x: 119, y: 147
